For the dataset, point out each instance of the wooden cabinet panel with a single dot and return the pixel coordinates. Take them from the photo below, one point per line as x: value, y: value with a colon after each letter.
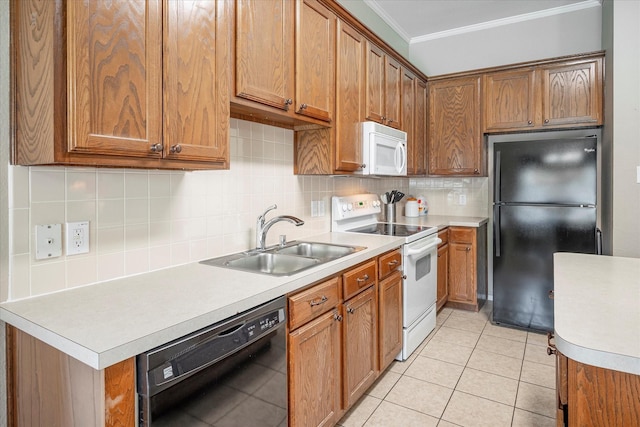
x: 461, y: 273
x: 389, y: 262
x: 196, y: 90
x: 315, y: 60
x: 467, y: 281
x: 392, y: 93
x: 359, y: 278
x: 390, y: 319
x: 314, y: 372
x: 350, y: 98
x: 306, y: 305
x: 443, y: 275
x: 455, y: 145
x: 375, y: 83
x: 509, y: 100
x: 572, y: 93
x: 419, y: 143
x: 360, y: 344
x: 114, y: 62
x: 408, y: 118
x: 264, y: 42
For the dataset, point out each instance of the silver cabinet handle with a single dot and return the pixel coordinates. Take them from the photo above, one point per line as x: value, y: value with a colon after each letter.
x: 337, y: 317
x: 303, y: 106
x: 350, y: 310
x: 362, y: 279
x: 529, y: 122
x: 175, y: 149
x: 318, y: 301
x: 394, y: 262
x: 156, y: 148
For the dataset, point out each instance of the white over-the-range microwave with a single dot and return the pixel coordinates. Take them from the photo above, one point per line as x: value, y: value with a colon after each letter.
x: 384, y: 150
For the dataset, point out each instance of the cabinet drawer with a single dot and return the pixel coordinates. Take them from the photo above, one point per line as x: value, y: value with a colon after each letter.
x: 389, y: 262
x: 313, y: 302
x: 461, y: 234
x: 444, y: 236
x: 359, y: 278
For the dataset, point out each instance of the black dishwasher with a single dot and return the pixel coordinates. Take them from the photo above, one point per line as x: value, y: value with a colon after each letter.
x: 231, y: 373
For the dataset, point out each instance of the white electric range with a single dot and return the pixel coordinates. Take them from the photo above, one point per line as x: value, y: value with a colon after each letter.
x: 359, y: 214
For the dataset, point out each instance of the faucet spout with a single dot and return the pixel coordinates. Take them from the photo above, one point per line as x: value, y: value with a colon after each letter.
x: 262, y: 227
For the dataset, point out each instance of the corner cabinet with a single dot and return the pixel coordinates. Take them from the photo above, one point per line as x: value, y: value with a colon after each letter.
x: 104, y: 75
x: 467, y: 267
x: 455, y: 143
x: 560, y: 94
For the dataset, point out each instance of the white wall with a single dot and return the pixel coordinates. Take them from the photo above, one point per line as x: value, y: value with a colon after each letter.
x: 622, y: 121
x: 548, y: 37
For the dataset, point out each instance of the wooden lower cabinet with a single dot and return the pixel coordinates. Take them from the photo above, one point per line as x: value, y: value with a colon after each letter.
x: 593, y: 396
x: 314, y: 372
x: 390, y: 318
x: 49, y: 388
x: 467, y: 287
x: 443, y: 269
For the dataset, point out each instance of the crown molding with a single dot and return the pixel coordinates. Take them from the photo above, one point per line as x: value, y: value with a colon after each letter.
x: 388, y: 20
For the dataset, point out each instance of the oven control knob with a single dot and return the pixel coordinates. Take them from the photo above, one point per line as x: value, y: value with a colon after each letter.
x: 350, y: 206
x: 344, y: 207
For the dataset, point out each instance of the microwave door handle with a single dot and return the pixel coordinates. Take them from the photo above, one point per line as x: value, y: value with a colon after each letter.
x: 401, y: 157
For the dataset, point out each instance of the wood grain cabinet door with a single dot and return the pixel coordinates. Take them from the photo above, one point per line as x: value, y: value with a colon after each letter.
x: 390, y: 319
x: 350, y: 98
x: 509, y: 100
x: 314, y: 372
x: 375, y: 86
x: 264, y: 67
x: 315, y: 60
x: 196, y: 90
x: 572, y: 94
x: 455, y: 138
x: 407, y: 116
x: 443, y: 276
x: 462, y: 286
x: 420, y: 129
x: 392, y: 93
x: 114, y: 60
x: 360, y: 344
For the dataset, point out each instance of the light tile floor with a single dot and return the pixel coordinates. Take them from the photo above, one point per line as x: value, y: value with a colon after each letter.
x: 467, y: 372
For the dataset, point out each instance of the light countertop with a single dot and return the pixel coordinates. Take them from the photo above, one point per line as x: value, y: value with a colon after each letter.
x: 597, y: 310
x: 105, y: 323
x: 442, y: 221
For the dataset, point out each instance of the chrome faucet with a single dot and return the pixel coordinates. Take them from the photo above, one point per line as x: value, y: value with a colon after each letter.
x: 263, y: 227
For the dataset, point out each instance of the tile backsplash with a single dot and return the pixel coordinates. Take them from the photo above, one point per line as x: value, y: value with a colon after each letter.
x: 144, y: 220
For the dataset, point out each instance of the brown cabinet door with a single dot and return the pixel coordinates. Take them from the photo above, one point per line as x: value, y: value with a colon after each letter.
x: 360, y: 344
x: 462, y: 273
x: 196, y: 91
x: 420, y: 129
x: 392, y: 91
x: 350, y: 99
x: 455, y: 138
x: 375, y: 85
x: 114, y: 60
x: 443, y: 276
x: 264, y: 68
x: 315, y: 60
x: 390, y: 319
x: 408, y: 114
x: 572, y: 94
x: 314, y: 372
x: 509, y: 100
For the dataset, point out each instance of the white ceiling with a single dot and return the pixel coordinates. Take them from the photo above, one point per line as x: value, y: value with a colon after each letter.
x: 421, y: 20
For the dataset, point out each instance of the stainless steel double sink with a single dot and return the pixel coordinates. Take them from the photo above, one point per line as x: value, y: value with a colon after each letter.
x: 284, y: 260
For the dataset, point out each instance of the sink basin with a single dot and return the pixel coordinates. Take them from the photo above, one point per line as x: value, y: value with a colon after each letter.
x: 265, y: 263
x: 284, y: 261
x: 323, y: 251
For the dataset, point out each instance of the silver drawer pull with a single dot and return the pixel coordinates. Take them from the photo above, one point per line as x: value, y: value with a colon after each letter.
x: 318, y: 302
x: 394, y: 262
x: 362, y: 279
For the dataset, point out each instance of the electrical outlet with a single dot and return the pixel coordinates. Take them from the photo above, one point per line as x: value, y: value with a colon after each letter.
x: 48, y: 241
x: 77, y: 237
x: 320, y: 207
x: 462, y: 199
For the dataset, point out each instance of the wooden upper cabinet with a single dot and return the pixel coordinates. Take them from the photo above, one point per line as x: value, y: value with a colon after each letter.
x: 196, y: 90
x: 383, y: 87
x: 572, y: 93
x: 565, y: 93
x: 315, y: 60
x: 350, y: 98
x: 102, y: 88
x: 264, y: 65
x: 414, y: 121
x: 455, y: 145
x: 114, y: 61
x: 509, y: 100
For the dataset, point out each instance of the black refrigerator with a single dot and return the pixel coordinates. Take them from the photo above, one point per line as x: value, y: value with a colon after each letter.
x: 544, y: 201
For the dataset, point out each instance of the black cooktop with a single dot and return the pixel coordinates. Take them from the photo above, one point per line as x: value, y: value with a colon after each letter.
x: 391, y: 229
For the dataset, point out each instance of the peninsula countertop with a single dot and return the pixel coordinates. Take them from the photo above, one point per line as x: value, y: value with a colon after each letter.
x: 597, y: 310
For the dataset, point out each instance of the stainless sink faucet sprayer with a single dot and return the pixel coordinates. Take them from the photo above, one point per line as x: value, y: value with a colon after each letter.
x: 263, y: 227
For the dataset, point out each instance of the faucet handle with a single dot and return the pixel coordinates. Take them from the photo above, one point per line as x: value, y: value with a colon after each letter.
x: 264, y: 214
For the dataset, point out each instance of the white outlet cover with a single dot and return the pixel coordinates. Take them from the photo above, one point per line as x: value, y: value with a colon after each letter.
x: 77, y: 238
x: 638, y: 175
x: 48, y: 241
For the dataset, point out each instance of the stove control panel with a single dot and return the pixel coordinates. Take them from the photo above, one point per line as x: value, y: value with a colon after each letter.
x: 356, y: 206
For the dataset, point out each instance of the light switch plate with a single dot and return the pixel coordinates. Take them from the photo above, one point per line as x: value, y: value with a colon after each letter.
x: 48, y: 241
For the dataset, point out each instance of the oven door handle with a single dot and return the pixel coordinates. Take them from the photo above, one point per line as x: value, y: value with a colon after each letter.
x: 414, y: 252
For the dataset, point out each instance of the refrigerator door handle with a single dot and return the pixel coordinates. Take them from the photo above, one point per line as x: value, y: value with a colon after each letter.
x: 496, y: 229
x: 496, y: 183
x: 598, y: 241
